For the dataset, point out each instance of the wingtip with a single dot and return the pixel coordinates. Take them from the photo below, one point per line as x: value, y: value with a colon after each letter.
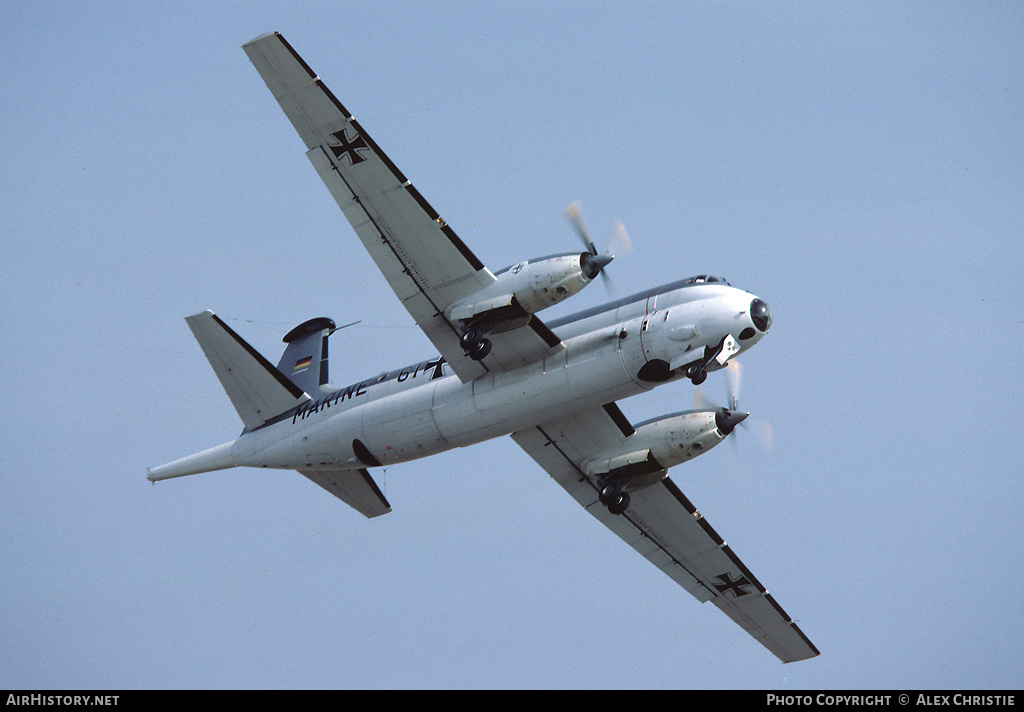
x: 254, y: 40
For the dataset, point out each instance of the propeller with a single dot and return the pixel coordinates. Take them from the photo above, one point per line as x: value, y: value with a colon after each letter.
x: 593, y: 263
x: 726, y: 418
x: 733, y: 375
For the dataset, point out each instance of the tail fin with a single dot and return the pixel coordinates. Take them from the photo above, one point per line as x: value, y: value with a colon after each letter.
x: 258, y: 391
x: 305, y: 359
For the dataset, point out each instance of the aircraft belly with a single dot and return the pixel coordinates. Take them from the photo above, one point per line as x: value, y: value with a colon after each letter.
x: 326, y: 443
x: 414, y: 422
x: 401, y: 427
x: 499, y: 404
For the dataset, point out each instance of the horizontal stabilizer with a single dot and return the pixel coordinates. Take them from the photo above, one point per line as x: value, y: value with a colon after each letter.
x: 355, y: 488
x: 256, y: 388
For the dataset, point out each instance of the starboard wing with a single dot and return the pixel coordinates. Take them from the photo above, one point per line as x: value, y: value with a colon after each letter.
x: 663, y: 526
x: 424, y: 261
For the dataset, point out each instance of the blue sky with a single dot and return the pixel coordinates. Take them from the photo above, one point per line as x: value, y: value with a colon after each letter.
x: 860, y: 166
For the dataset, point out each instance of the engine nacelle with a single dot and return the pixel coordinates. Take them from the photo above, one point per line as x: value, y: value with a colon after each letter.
x: 528, y: 287
x: 656, y: 445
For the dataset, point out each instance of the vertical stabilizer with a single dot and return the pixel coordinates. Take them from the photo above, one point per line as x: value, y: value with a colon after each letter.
x: 305, y: 359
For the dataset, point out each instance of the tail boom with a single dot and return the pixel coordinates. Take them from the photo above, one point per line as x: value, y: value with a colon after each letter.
x: 220, y: 457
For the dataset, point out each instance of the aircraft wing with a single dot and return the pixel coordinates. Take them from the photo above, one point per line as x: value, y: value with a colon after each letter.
x: 355, y: 488
x: 663, y: 526
x: 427, y: 265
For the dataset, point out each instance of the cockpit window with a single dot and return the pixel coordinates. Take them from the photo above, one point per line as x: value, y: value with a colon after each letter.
x: 705, y: 279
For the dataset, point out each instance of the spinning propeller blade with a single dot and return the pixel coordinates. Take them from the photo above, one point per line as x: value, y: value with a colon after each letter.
x: 733, y: 373
x: 726, y: 418
x: 595, y: 263
x: 575, y: 216
x: 622, y: 237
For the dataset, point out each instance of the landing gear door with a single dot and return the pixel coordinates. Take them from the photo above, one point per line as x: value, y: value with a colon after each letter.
x: 729, y: 348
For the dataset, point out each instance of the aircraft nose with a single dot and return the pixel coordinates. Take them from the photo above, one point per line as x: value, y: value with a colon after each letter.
x: 761, y: 315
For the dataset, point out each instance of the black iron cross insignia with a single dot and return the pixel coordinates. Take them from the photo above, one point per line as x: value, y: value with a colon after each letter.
x: 726, y: 583
x: 349, y: 148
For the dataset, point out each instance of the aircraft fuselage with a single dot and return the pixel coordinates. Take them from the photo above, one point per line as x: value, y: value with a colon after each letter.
x: 424, y: 409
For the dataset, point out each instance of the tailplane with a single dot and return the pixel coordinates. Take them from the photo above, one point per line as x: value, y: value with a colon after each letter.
x: 257, y: 390
x: 260, y: 392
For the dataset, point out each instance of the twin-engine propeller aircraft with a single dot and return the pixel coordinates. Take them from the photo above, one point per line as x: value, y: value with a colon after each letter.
x: 501, y: 370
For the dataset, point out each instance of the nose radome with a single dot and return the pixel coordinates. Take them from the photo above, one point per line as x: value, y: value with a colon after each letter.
x: 761, y: 315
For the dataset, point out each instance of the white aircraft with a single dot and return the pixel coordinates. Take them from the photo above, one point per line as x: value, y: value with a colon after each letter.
x: 501, y: 370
